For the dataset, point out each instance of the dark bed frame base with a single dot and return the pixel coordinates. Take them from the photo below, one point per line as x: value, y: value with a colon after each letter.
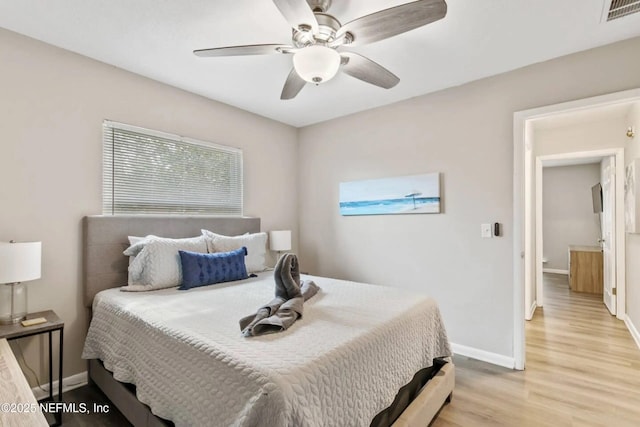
x: 416, y: 405
x: 407, y: 394
x: 123, y: 397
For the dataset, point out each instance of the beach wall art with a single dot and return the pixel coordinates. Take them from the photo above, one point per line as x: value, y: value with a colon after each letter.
x: 414, y: 194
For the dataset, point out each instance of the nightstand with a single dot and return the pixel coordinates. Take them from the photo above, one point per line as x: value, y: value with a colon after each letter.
x: 53, y: 323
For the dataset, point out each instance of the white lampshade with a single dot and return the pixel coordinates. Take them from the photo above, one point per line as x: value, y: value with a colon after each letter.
x: 280, y: 240
x: 20, y: 262
x: 317, y: 64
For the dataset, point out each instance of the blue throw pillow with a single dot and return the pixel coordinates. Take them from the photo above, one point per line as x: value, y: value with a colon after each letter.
x: 206, y: 269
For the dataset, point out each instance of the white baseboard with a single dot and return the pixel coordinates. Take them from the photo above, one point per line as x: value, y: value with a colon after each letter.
x: 531, y: 311
x: 555, y: 271
x: 485, y: 356
x: 633, y: 330
x: 68, y: 383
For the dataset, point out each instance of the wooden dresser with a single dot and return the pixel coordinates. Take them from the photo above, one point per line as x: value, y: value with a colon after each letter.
x: 19, y: 406
x: 585, y: 269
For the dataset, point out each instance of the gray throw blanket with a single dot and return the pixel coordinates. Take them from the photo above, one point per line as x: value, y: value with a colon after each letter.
x: 287, y: 306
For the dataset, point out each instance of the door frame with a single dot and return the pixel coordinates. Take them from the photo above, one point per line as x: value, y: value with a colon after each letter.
x: 618, y: 154
x: 522, y: 139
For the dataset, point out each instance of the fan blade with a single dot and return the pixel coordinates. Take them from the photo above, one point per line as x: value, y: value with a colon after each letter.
x: 393, y: 21
x: 256, y: 49
x: 297, y: 13
x: 292, y: 86
x: 368, y: 71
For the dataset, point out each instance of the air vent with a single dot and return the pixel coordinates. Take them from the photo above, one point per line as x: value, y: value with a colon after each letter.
x: 621, y: 8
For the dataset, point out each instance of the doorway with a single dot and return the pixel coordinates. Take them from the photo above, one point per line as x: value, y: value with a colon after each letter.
x: 524, y: 249
x: 587, y: 222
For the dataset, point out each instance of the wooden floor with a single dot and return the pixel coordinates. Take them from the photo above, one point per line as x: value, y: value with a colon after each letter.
x: 582, y: 369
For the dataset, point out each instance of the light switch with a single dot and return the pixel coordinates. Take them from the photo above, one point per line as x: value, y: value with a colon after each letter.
x: 486, y: 231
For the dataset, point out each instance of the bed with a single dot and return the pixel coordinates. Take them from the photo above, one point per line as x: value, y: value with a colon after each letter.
x: 361, y: 354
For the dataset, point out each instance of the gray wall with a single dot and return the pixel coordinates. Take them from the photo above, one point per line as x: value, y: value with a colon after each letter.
x: 466, y: 133
x: 52, y: 104
x: 567, y: 211
x: 51, y: 110
x: 604, y: 133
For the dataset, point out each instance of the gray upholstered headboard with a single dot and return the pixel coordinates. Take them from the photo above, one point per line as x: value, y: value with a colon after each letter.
x: 105, y: 237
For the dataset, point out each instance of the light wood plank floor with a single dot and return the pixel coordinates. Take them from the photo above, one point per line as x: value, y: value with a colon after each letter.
x: 582, y: 369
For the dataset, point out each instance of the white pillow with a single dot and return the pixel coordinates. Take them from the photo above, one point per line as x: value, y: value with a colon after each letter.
x: 157, y: 262
x: 256, y: 245
x: 134, y: 240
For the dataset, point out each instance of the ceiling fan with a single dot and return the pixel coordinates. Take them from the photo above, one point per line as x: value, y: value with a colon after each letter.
x: 318, y: 37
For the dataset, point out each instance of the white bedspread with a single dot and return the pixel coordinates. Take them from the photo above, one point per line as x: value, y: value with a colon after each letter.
x: 340, y: 365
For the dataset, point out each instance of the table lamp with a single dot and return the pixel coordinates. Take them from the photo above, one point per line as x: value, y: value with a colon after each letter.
x: 280, y: 240
x: 19, y: 262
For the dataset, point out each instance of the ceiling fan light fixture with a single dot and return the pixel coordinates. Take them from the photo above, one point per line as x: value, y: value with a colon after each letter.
x: 316, y: 36
x: 317, y: 64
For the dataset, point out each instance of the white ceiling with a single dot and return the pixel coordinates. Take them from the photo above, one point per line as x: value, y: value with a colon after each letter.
x: 155, y: 38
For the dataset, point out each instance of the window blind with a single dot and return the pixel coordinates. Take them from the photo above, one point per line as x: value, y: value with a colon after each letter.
x: 147, y: 172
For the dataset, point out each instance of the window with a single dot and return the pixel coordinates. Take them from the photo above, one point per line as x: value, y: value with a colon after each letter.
x: 147, y: 172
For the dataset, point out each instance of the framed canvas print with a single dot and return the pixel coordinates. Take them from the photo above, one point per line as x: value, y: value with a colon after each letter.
x: 631, y: 199
x: 414, y: 194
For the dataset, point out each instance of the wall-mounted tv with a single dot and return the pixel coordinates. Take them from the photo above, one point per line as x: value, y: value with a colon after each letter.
x: 596, y: 195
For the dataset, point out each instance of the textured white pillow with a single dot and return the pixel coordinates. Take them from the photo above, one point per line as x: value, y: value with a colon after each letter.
x: 256, y: 245
x: 157, y: 262
x: 134, y: 240
x: 136, y: 243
